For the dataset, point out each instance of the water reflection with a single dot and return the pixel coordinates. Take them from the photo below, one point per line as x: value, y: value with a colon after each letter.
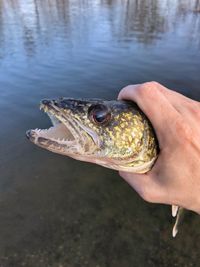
x: 36, y: 21
x: 31, y: 22
x: 146, y: 21
x: 197, y: 6
x: 141, y: 20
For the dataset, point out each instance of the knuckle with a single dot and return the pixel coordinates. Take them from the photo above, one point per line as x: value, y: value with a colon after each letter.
x: 148, y: 89
x: 153, y: 84
x: 194, y: 108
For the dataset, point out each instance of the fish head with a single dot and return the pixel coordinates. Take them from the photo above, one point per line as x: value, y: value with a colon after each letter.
x: 114, y: 134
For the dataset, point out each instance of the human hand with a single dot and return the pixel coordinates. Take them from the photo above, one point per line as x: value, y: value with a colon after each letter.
x: 175, y: 177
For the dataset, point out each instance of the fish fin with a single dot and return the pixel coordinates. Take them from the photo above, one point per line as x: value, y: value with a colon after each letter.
x: 177, y: 222
x: 174, y: 210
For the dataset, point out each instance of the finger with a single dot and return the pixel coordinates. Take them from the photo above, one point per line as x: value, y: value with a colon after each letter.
x: 180, y: 102
x: 185, y: 106
x: 145, y: 185
x: 170, y: 93
x: 174, y: 95
x: 155, y: 105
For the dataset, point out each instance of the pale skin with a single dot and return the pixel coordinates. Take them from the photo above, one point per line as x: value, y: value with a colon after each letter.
x: 175, y: 177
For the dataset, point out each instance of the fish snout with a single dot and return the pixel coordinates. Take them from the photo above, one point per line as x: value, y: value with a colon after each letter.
x: 47, y: 102
x: 66, y: 103
x: 30, y: 135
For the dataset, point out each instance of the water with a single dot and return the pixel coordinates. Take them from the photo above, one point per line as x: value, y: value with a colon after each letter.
x: 55, y: 211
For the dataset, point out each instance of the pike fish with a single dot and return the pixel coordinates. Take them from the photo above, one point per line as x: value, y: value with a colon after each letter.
x: 114, y: 134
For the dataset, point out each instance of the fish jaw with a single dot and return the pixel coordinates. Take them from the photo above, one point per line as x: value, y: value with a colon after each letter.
x: 66, y: 136
x: 56, y: 145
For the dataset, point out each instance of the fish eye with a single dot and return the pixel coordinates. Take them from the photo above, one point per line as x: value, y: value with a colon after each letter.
x: 99, y: 114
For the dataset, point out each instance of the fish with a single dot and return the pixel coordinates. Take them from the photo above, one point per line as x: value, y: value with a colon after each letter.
x: 112, y: 133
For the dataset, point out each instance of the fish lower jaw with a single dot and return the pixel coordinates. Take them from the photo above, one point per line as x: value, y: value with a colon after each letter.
x: 41, y: 134
x: 61, y: 145
x: 57, y: 137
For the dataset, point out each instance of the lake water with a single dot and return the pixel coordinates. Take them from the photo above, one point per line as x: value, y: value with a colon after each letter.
x: 55, y: 211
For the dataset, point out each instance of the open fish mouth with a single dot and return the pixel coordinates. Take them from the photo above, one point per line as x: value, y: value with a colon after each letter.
x: 65, y: 136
